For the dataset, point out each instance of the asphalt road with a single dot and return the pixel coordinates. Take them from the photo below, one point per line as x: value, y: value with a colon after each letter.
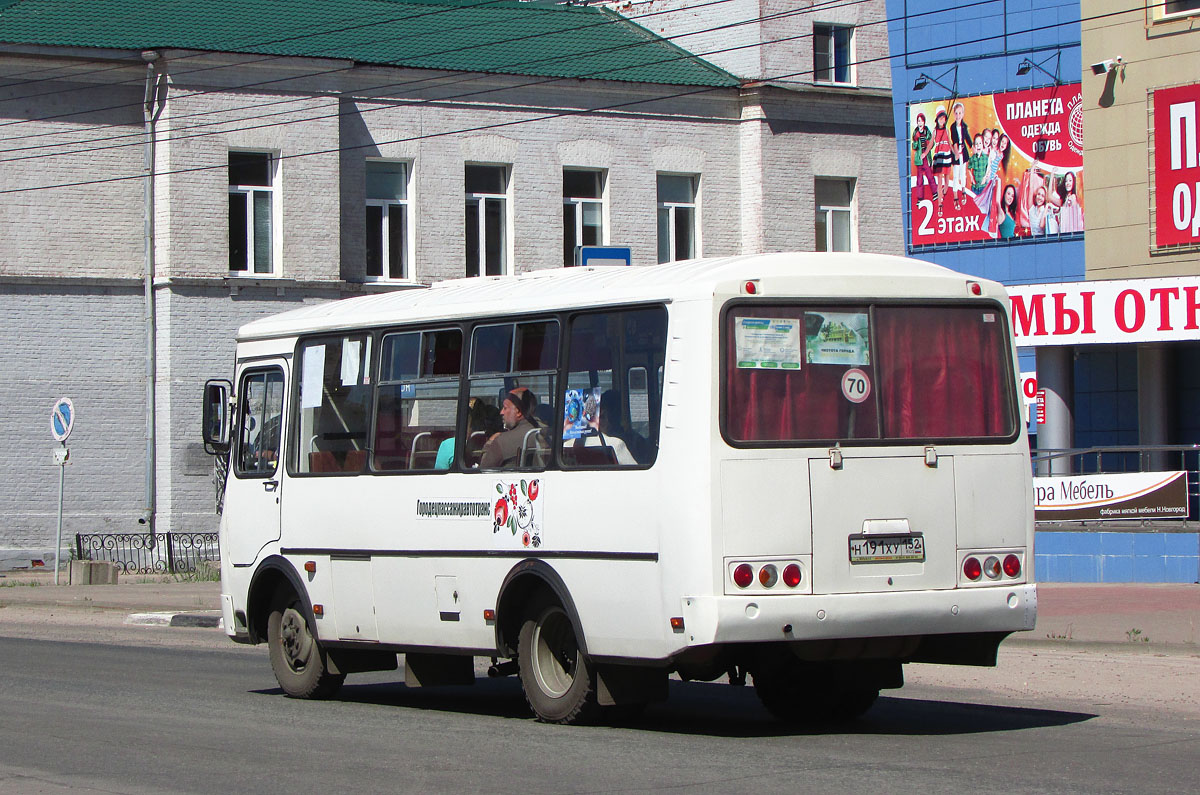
x: 88, y: 717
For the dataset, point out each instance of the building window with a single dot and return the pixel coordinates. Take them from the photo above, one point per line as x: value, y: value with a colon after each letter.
x: 252, y: 212
x: 835, y: 207
x: 487, y: 220
x: 1172, y: 7
x: 583, y: 211
x: 387, y: 220
x: 677, y: 216
x: 832, y: 57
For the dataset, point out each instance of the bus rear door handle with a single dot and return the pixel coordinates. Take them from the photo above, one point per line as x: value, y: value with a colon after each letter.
x: 270, y: 485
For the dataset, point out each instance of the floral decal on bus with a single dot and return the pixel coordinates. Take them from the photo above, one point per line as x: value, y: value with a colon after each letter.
x: 516, y: 511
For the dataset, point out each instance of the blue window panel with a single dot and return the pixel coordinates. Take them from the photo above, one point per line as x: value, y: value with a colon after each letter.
x: 1104, y: 411
x: 1116, y: 569
x: 1183, y: 544
x: 1149, y: 544
x: 1149, y: 568
x: 1118, y: 543
x: 1083, y: 413
x: 1082, y: 568
x: 1181, y: 569
x: 1127, y: 409
x: 1025, y: 271
x: 1051, y: 543
x: 1126, y: 367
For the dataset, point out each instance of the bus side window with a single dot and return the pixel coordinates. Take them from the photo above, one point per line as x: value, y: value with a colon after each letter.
x: 609, y: 416
x: 334, y: 405
x: 504, y: 357
x: 417, y: 409
x: 261, y: 414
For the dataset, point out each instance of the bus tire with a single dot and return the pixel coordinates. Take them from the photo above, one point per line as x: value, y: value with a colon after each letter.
x: 299, y: 662
x: 558, y: 681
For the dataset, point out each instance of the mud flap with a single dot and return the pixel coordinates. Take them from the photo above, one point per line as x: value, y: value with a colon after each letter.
x: 630, y: 684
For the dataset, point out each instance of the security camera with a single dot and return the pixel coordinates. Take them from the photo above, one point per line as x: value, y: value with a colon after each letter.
x: 1106, y: 66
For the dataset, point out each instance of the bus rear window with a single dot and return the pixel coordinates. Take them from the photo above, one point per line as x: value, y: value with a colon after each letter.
x: 842, y: 373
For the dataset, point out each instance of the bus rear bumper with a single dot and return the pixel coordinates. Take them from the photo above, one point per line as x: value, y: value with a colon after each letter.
x: 750, y: 619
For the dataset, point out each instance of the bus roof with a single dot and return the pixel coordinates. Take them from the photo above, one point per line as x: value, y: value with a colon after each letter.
x: 784, y: 274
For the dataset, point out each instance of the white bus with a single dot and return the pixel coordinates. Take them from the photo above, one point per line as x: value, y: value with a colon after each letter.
x: 807, y: 468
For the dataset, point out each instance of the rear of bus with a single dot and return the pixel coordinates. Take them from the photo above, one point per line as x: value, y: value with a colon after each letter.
x: 874, y: 486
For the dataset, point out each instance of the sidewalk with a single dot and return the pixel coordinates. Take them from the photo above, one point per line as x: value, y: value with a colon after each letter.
x: 155, y: 600
x: 1128, y: 615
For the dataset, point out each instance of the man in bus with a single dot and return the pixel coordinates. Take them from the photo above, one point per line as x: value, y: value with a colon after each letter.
x: 506, y: 449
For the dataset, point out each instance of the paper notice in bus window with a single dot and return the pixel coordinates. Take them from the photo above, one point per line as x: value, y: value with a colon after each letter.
x: 351, y: 358
x: 314, y: 377
x: 837, y: 338
x: 769, y: 343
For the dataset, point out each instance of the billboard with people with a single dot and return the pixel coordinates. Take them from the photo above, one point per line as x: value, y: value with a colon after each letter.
x: 996, y: 167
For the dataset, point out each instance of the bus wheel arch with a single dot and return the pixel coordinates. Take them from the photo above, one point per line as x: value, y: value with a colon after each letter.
x: 524, y: 584
x: 274, y: 574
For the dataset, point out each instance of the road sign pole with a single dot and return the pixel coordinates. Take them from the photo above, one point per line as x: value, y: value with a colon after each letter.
x: 62, y: 420
x: 62, y: 469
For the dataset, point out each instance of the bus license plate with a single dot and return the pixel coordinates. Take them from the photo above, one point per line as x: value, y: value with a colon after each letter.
x: 887, y: 549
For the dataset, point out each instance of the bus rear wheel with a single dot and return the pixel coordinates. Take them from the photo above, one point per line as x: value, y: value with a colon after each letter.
x: 558, y: 681
x: 299, y: 662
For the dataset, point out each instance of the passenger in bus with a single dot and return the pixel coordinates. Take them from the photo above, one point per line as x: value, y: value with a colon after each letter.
x: 483, y: 421
x: 606, y: 430
x: 521, y: 437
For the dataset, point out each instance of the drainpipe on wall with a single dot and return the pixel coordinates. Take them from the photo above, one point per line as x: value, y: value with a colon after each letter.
x: 150, y: 108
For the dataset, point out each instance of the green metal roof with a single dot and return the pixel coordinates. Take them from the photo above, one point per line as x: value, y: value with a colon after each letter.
x: 498, y: 36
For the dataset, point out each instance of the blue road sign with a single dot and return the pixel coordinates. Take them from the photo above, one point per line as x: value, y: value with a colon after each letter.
x: 61, y: 419
x: 603, y: 255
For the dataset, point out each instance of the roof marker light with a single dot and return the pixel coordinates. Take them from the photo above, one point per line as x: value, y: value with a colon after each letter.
x: 750, y: 287
x: 975, y: 288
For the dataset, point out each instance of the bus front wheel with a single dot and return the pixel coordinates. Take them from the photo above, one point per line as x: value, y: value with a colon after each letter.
x: 558, y: 681
x: 299, y: 662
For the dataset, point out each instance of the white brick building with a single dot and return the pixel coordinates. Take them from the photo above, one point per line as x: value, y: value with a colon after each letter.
x: 312, y: 126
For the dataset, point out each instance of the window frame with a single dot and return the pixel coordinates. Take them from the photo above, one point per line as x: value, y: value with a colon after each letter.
x: 671, y: 207
x: 579, y: 202
x: 652, y: 392
x: 238, y: 443
x: 831, y: 29
x: 481, y: 201
x: 275, y: 248
x: 371, y: 340
x: 1159, y: 12
x: 1008, y: 368
x: 828, y: 211
x: 406, y: 204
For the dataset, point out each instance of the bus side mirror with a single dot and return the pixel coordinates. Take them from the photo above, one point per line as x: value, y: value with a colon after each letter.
x: 216, y: 416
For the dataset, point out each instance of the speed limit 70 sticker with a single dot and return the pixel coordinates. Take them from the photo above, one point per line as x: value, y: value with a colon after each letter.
x: 856, y: 386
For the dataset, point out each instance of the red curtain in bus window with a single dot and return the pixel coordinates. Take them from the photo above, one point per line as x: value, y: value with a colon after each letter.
x: 943, y: 372
x: 793, y: 405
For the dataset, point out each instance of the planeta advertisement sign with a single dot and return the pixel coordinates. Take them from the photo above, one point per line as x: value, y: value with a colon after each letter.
x: 996, y: 167
x: 1134, y: 495
x: 1176, y: 166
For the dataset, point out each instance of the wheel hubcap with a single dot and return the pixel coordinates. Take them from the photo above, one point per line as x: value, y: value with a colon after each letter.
x: 296, y: 639
x: 555, y: 655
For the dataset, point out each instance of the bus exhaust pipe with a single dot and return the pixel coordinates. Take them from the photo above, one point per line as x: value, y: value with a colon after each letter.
x: 507, y: 668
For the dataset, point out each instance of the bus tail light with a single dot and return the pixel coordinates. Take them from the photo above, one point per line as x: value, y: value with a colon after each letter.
x: 972, y: 570
x: 791, y: 575
x: 1012, y: 565
x: 991, y: 567
x: 743, y: 575
x: 768, y: 575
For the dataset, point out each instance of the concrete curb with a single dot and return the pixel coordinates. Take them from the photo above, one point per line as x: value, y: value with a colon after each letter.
x: 210, y: 619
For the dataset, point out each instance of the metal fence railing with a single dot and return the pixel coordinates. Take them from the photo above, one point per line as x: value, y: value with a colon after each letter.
x: 149, y: 553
